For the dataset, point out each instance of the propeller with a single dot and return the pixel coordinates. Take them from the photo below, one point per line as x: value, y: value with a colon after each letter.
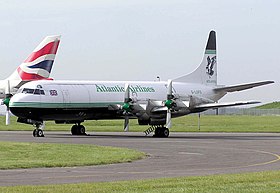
x: 126, y: 106
x: 6, y: 101
x: 169, y: 103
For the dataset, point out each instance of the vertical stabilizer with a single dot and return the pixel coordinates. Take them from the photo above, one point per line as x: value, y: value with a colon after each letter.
x: 38, y: 64
x: 206, y: 73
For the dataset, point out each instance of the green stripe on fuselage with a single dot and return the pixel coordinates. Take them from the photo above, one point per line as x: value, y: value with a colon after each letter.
x: 62, y: 105
x: 210, y: 51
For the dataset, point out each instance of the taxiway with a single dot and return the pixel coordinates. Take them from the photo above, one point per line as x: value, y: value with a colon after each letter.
x: 182, y: 154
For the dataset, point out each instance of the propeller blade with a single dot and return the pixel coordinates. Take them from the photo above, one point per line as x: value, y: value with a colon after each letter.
x: 169, y: 89
x: 8, y: 88
x: 126, y: 93
x: 168, y: 119
x: 126, y: 106
x: 8, y: 115
x: 126, y: 123
x: 168, y: 103
x: 6, y: 101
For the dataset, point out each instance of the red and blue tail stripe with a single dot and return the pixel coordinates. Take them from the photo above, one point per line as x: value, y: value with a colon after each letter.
x: 39, y: 63
x: 50, y: 48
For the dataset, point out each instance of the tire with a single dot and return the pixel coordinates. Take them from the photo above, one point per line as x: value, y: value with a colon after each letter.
x: 40, y: 133
x: 161, y: 132
x: 165, y: 132
x: 35, y: 133
x: 157, y: 132
x: 74, y: 130
x: 82, y: 130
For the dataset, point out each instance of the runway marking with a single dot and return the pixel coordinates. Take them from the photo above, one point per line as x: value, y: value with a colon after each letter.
x: 268, y: 162
x: 238, y: 167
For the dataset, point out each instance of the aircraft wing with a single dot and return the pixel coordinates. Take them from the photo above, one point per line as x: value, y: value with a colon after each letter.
x: 224, y: 104
x: 203, y: 107
x: 242, y: 86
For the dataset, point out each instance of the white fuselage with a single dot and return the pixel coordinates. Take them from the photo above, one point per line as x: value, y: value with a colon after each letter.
x: 99, y: 92
x: 80, y: 96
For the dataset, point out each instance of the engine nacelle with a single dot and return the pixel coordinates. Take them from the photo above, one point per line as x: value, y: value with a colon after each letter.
x: 143, y: 122
x: 67, y: 121
x: 161, y: 121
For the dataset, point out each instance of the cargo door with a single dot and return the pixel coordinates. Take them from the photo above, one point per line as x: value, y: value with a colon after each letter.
x: 66, y: 97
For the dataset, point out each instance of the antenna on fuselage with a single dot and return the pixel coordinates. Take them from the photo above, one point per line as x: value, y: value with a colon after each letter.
x: 158, y: 78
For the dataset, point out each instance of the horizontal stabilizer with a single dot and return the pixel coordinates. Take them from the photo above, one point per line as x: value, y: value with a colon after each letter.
x: 225, y: 104
x: 242, y: 86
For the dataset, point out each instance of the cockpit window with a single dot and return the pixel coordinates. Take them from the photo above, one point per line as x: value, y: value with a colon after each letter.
x: 19, y: 90
x: 37, y: 91
x: 28, y: 91
x: 33, y: 91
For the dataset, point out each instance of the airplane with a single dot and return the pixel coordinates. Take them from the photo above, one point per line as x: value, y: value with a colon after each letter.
x: 37, y: 66
x: 153, y: 103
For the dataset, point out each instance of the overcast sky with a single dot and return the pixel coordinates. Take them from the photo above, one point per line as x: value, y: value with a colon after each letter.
x: 139, y: 40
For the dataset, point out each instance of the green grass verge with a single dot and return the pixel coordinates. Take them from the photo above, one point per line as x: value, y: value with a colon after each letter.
x: 273, y: 105
x: 30, y: 155
x: 209, y: 123
x: 266, y: 182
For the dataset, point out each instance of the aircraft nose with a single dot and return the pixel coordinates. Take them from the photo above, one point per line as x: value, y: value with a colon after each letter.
x: 17, y: 105
x: 14, y: 100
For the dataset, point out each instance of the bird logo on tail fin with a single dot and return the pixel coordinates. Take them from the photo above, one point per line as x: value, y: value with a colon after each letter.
x: 211, y: 63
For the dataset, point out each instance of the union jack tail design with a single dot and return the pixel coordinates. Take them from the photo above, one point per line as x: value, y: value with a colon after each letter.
x: 38, y: 64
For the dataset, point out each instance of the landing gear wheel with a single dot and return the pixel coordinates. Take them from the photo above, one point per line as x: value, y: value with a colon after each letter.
x: 35, y: 133
x: 78, y: 130
x: 161, y: 132
x: 74, y: 130
x: 157, y: 132
x: 82, y: 130
x: 165, y: 132
x: 38, y: 133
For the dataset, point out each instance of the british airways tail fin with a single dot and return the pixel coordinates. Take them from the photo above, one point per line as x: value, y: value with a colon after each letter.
x: 38, y: 64
x: 206, y: 73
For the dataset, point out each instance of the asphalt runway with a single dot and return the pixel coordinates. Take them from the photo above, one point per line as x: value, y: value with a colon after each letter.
x: 182, y: 154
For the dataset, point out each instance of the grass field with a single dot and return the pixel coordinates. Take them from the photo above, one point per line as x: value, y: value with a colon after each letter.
x: 209, y: 123
x: 30, y: 155
x: 266, y: 182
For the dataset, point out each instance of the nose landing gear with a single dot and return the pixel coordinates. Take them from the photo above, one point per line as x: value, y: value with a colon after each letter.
x: 38, y: 132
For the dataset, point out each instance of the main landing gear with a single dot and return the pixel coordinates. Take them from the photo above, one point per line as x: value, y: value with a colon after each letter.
x: 161, y: 132
x: 78, y: 129
x: 38, y: 132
